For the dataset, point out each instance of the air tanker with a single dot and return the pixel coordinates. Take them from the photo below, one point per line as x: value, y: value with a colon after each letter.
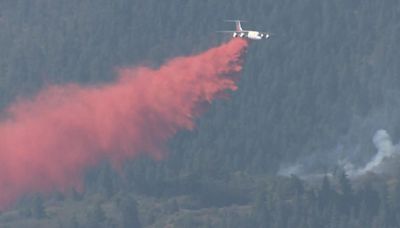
x: 249, y: 34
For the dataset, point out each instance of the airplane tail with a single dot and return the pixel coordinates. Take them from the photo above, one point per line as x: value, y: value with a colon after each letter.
x: 238, y: 25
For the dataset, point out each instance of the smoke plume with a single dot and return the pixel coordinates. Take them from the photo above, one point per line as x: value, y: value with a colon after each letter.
x: 385, y: 159
x: 46, y: 142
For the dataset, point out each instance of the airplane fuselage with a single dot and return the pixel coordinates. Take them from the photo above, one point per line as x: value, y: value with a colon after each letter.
x: 252, y: 35
x: 248, y: 34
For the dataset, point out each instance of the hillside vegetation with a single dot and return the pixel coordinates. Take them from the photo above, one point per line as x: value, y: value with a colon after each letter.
x: 317, y: 91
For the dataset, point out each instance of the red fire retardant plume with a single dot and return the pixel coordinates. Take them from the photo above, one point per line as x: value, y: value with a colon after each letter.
x: 47, y: 142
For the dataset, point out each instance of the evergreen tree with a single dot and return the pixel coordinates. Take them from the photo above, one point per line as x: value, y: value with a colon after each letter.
x: 95, y: 216
x: 38, y: 209
x: 127, y: 207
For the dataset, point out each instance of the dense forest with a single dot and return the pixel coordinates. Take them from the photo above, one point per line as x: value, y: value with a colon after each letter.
x: 312, y: 95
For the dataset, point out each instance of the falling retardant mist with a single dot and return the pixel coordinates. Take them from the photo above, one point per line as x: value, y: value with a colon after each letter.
x: 46, y: 142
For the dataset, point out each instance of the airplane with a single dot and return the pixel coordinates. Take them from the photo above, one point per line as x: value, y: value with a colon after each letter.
x: 252, y: 35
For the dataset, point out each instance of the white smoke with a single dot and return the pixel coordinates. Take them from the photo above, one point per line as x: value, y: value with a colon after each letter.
x: 381, y: 162
x: 291, y: 170
x: 385, y: 161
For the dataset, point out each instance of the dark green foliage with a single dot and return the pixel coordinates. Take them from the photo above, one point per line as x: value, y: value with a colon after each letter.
x: 75, y: 195
x: 38, y: 210
x: 32, y: 207
x: 73, y: 223
x: 329, y: 208
x: 127, y: 208
x: 95, y: 216
x: 319, y: 88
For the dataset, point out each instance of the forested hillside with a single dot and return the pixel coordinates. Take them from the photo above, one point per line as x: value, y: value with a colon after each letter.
x: 313, y: 94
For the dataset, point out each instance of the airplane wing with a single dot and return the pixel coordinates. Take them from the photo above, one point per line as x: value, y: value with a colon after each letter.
x: 232, y: 31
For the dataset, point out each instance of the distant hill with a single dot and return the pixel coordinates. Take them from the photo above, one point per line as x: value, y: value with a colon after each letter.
x: 317, y: 91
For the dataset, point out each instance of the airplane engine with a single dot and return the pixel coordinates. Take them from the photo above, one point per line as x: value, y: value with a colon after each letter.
x: 248, y: 34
